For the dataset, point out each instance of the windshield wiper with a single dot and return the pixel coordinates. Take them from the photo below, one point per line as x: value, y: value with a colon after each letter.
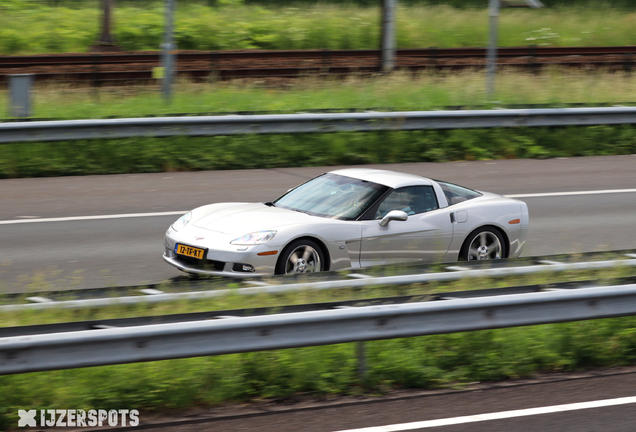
x: 292, y: 209
x: 269, y: 204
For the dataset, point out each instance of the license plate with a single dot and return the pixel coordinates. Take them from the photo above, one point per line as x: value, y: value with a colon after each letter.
x: 189, y: 251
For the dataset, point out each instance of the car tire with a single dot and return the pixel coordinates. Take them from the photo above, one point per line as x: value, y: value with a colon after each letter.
x: 485, y: 243
x: 301, y: 256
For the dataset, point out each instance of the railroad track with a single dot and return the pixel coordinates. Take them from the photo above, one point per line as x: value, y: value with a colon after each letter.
x: 99, y: 69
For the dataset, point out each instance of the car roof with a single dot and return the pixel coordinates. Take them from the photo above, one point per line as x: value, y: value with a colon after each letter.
x: 392, y: 179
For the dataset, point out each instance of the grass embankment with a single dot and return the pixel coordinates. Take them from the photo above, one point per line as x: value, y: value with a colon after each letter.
x: 398, y: 92
x: 421, y: 362
x: 35, y: 27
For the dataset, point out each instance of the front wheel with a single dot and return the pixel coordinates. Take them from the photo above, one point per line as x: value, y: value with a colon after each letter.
x: 486, y: 243
x: 300, y: 256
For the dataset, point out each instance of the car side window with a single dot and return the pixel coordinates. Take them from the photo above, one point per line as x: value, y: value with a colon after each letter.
x: 456, y: 194
x: 411, y: 199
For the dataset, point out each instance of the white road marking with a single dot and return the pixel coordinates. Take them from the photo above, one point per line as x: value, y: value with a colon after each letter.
x: 496, y: 416
x: 359, y: 276
x: 178, y: 213
x: 39, y: 299
x: 77, y: 218
x: 150, y: 291
x: 552, y: 194
x: 550, y: 262
x: 457, y: 268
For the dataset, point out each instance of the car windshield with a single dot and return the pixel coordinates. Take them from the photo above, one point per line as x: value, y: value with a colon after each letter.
x: 332, y: 196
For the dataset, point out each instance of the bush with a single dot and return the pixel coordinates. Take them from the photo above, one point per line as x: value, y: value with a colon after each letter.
x: 140, y: 155
x: 65, y: 25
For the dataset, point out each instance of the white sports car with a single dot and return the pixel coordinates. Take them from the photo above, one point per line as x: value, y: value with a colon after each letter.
x: 348, y: 218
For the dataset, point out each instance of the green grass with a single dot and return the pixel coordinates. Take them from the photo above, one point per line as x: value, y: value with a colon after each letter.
x: 141, y: 155
x: 421, y: 362
x: 398, y: 92
x: 35, y: 27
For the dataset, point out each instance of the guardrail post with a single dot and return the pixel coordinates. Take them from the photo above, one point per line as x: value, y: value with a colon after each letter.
x: 326, y: 61
x: 432, y: 58
x: 532, y: 59
x: 20, y: 89
x: 362, y: 359
x: 627, y: 62
x: 96, y: 80
x: 215, y: 73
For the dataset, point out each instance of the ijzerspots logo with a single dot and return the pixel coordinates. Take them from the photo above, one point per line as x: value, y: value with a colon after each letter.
x: 77, y: 418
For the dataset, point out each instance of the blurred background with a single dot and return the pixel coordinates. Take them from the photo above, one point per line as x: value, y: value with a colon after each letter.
x: 216, y: 41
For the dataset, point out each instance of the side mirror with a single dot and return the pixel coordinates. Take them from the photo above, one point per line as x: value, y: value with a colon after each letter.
x: 397, y: 215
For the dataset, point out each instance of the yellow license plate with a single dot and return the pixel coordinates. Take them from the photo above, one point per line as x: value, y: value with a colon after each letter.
x: 189, y: 251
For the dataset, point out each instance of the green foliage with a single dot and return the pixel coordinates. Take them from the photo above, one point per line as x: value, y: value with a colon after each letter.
x: 419, y: 362
x: 31, y: 27
x: 141, y: 155
x: 454, y: 3
x: 426, y: 362
x: 16, y: 5
x: 41, y: 29
x: 305, y: 3
x: 400, y: 91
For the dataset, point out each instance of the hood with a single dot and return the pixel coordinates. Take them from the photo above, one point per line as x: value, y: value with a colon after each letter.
x: 245, y: 218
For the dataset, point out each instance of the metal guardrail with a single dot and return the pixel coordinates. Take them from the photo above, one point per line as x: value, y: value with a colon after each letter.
x: 76, y: 349
x: 98, y: 324
x: 310, y: 123
x: 352, y: 280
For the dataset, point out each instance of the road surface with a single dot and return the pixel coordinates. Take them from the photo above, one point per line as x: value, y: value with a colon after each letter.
x: 74, y: 251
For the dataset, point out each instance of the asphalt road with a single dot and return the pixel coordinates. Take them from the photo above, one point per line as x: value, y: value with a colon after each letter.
x: 73, y: 254
x: 550, y: 401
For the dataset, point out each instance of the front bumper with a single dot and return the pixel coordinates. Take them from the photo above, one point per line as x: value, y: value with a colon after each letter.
x: 228, y: 269
x: 222, y: 258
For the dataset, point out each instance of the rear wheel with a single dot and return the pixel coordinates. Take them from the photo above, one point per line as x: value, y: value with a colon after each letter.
x: 300, y: 256
x: 485, y: 243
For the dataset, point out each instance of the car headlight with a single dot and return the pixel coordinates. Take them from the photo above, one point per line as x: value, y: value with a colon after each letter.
x: 182, y: 221
x: 254, y: 238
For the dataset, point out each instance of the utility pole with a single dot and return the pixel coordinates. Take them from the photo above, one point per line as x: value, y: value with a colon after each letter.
x: 491, y: 60
x: 388, y: 35
x: 106, y: 40
x: 168, y: 52
x: 491, y: 55
x: 106, y: 37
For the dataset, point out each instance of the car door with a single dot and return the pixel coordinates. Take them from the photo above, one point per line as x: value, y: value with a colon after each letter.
x: 424, y: 236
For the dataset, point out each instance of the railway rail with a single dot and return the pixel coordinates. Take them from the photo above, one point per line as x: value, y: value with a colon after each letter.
x: 136, y: 67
